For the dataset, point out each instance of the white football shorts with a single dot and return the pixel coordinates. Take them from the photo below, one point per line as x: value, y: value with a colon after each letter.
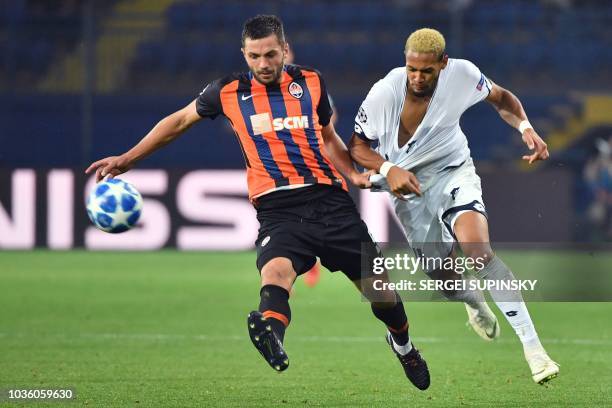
x: 428, y: 221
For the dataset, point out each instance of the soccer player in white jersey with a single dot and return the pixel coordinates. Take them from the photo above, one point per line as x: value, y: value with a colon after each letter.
x: 424, y: 161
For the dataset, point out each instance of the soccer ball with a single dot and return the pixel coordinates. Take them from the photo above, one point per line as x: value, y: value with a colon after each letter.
x: 114, y: 205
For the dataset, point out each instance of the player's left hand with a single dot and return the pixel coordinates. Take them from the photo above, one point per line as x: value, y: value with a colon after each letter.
x: 110, y: 166
x: 534, y: 142
x: 362, y: 180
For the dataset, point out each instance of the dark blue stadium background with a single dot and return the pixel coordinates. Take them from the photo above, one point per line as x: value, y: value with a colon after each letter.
x: 83, y: 79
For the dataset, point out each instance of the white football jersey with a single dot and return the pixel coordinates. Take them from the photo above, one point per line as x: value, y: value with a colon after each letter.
x: 438, y: 142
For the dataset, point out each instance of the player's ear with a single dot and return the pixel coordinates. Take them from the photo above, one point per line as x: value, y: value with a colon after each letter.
x: 444, y: 60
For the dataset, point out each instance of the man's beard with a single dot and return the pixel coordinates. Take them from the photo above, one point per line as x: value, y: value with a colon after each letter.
x: 422, y: 94
x: 269, y: 80
x: 427, y: 92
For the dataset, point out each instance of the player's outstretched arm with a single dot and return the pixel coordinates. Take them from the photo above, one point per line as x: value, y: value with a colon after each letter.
x: 400, y: 181
x: 340, y: 157
x: 511, y: 110
x: 166, y: 130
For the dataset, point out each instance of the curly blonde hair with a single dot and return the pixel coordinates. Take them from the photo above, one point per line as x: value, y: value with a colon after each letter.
x: 426, y: 40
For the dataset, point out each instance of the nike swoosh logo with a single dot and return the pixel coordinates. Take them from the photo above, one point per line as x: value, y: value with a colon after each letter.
x: 204, y: 90
x: 245, y: 98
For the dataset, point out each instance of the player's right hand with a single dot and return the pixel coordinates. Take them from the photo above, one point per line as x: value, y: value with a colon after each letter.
x: 402, y: 182
x: 362, y: 180
x: 110, y: 166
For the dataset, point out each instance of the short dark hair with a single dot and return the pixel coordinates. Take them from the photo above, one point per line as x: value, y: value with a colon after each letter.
x: 261, y: 26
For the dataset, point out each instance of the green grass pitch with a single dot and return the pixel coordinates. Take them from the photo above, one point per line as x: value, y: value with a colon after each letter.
x: 169, y: 329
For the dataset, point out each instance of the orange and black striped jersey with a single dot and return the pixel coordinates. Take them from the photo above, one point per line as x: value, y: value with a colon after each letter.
x: 278, y: 127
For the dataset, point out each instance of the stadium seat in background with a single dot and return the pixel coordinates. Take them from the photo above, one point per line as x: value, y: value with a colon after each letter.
x: 531, y: 48
x: 180, y: 17
x: 12, y: 12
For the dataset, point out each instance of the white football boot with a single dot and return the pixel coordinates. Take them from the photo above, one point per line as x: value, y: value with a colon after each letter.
x: 483, y: 321
x: 543, y: 368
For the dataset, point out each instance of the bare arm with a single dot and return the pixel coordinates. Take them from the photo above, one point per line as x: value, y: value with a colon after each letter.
x: 400, y: 181
x: 507, y: 105
x: 340, y: 157
x: 511, y: 110
x: 166, y: 130
x: 363, y: 154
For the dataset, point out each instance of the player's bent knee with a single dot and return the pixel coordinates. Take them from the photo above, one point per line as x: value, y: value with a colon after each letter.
x: 278, y: 271
x: 481, y: 252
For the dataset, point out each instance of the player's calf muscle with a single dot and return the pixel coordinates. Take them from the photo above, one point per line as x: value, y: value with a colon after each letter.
x: 279, y: 272
x: 382, y: 297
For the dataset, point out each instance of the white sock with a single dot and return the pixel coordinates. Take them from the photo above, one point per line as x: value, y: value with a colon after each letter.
x: 403, y: 350
x: 517, y: 315
x: 511, y: 304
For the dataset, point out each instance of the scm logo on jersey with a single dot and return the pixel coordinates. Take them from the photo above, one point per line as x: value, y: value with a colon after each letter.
x: 262, y: 123
x: 291, y: 122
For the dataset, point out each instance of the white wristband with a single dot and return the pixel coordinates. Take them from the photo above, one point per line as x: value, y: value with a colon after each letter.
x: 385, y: 167
x: 524, y: 125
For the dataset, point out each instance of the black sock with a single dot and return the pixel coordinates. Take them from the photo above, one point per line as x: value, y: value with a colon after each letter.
x: 274, y: 305
x: 395, y: 318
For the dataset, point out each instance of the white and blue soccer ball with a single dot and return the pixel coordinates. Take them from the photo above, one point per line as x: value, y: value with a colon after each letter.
x: 114, y: 206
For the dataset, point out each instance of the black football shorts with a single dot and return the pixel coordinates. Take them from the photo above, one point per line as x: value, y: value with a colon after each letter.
x: 315, y: 221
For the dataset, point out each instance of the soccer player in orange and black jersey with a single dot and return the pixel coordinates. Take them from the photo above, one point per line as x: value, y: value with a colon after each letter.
x: 278, y: 126
x: 294, y: 159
